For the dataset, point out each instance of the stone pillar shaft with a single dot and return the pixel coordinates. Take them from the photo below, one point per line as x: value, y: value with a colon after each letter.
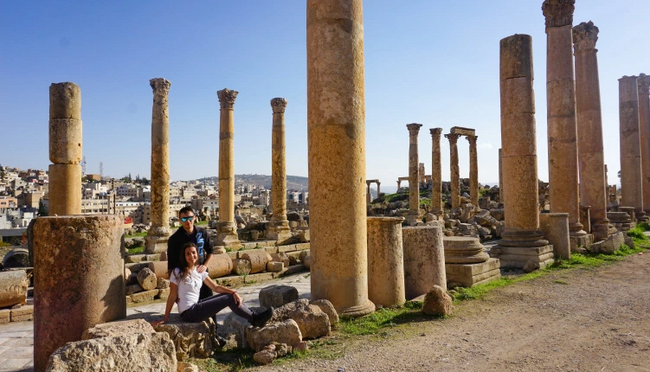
x: 414, y: 170
x: 593, y: 183
x: 631, y: 187
x: 337, y: 154
x: 560, y: 97
x: 160, y: 155
x: 500, y: 177
x: 385, y: 261
x: 436, y: 170
x: 279, y: 179
x: 79, y: 279
x: 473, y: 170
x: 455, y: 171
x: 227, y: 155
x: 65, y: 139
x: 644, y: 135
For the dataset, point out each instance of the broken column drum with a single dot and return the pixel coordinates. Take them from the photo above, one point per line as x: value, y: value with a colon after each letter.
x: 560, y: 97
x: 385, y: 261
x: 78, y: 279
x: 337, y: 155
x: 279, y: 227
x: 65, y: 128
x: 414, y: 173
x: 226, y: 228
x: 158, y: 234
x: 424, y: 260
x: 593, y: 184
x: 436, y: 170
x: 521, y: 240
x: 631, y: 177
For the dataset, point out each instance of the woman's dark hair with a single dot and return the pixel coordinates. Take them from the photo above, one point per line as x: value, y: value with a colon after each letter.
x: 183, y: 267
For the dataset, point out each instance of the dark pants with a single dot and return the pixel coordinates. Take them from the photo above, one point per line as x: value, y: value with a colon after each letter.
x: 210, y: 306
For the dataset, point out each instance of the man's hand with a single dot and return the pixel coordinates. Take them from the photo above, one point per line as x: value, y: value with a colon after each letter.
x: 201, y: 269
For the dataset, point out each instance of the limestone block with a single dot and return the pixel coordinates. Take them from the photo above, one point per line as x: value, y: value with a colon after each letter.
x: 424, y: 260
x: 555, y: 227
x: 469, y: 275
x: 144, y: 296
x: 294, y: 258
x: 118, y: 328
x: 281, y: 257
x: 328, y: 309
x: 133, y: 288
x: 241, y: 266
x: 258, y: 259
x: 464, y: 250
x: 163, y: 293
x: 220, y: 265
x: 437, y: 302
x: 311, y: 320
x: 127, y: 353
x: 22, y: 314
x: 163, y: 283
x: 5, y: 316
x: 147, y: 279
x: 13, y: 287
x: 159, y: 268
x: 304, y: 236
x: 385, y: 261
x: 286, y: 332
x: 274, y: 267
x: 238, y: 326
x: 192, y: 340
x: 265, y: 356
x: 64, y: 189
x: 277, y: 295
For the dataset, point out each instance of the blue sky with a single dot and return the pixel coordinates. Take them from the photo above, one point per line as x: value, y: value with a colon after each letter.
x: 426, y: 61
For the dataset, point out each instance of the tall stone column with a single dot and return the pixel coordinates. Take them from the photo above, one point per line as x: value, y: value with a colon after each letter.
x: 368, y: 195
x: 337, y: 155
x: 78, y: 278
x: 279, y: 226
x: 522, y: 241
x: 500, y: 178
x: 631, y: 187
x: 644, y: 134
x: 593, y: 183
x: 473, y: 170
x: 65, y: 149
x: 158, y: 234
x: 455, y: 171
x: 414, y: 174
x: 226, y: 228
x: 436, y: 170
x: 378, y: 188
x: 560, y: 98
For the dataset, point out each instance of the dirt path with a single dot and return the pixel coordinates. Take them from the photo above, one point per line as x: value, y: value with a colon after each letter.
x: 576, y: 320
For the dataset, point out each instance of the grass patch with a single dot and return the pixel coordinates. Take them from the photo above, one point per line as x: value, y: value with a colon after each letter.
x: 382, y: 318
x: 135, y: 250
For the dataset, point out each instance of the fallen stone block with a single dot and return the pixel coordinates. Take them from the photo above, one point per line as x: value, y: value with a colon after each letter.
x: 609, y: 245
x: 265, y: 356
x: 146, y: 296
x: 437, y: 302
x: 147, y: 279
x: 274, y: 267
x: 5, y: 316
x: 220, y: 265
x: 286, y: 332
x: 281, y: 257
x: 163, y: 293
x: 258, y: 259
x: 311, y: 320
x: 192, y: 340
x: 241, y: 266
x: 234, y: 327
x: 133, y: 288
x: 162, y: 283
x: 277, y: 295
x: 13, y: 287
x: 118, y: 328
x: 328, y: 309
x: 22, y: 314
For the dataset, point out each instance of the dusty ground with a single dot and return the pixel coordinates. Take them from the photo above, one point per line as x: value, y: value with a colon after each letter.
x: 572, y: 320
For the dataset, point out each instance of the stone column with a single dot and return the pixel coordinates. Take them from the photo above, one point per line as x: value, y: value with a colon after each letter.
x: 226, y: 228
x: 78, y: 279
x: 158, y: 234
x: 436, y: 170
x: 644, y: 135
x: 65, y: 149
x: 414, y: 174
x: 424, y: 260
x: 378, y: 188
x: 337, y: 155
x: 279, y: 227
x: 560, y: 98
x: 385, y: 261
x: 593, y: 183
x: 500, y: 178
x: 473, y: 170
x: 521, y: 240
x: 455, y: 171
x: 368, y: 195
x: 631, y: 177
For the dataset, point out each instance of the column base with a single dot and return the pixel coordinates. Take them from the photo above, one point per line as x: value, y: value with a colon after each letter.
x: 518, y: 257
x: 227, y: 235
x: 359, y: 310
x: 156, y: 240
x: 600, y: 230
x: 580, y: 243
x: 469, y: 275
x: 278, y: 231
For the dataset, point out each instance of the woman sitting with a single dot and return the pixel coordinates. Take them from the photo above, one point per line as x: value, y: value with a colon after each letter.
x: 186, y: 284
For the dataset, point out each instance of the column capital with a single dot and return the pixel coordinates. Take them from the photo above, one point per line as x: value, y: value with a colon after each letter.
x: 279, y: 105
x: 585, y: 36
x: 643, y: 82
x: 471, y: 140
x: 160, y: 86
x: 413, y: 128
x: 435, y: 133
x: 558, y: 13
x: 452, y: 137
x: 227, y: 98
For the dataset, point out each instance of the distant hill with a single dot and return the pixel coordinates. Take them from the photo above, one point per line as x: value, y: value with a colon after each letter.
x: 293, y: 182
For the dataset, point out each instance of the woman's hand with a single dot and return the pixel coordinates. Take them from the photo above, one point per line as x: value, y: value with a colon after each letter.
x: 237, y: 299
x: 157, y: 322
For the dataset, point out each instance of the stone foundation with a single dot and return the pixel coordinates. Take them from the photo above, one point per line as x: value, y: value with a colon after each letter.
x: 581, y: 242
x: 469, y: 275
x: 517, y: 257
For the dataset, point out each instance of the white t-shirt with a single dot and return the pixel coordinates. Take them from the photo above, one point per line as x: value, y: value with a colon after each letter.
x: 188, y: 288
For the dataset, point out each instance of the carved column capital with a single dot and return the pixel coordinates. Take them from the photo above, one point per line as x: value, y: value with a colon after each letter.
x: 452, y: 137
x: 471, y: 140
x: 585, y: 36
x: 643, y: 82
x: 227, y: 98
x: 413, y: 128
x: 279, y: 105
x: 435, y: 133
x: 160, y: 86
x: 558, y: 13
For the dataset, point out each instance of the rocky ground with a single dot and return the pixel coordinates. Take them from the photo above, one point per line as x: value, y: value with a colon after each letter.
x: 570, y: 320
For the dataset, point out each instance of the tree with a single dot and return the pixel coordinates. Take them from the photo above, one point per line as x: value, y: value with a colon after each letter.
x: 42, y: 211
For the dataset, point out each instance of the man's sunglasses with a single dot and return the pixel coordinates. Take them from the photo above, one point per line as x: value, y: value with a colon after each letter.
x: 188, y: 218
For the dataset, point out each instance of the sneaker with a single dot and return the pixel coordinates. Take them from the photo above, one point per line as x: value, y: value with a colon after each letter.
x: 260, y: 319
